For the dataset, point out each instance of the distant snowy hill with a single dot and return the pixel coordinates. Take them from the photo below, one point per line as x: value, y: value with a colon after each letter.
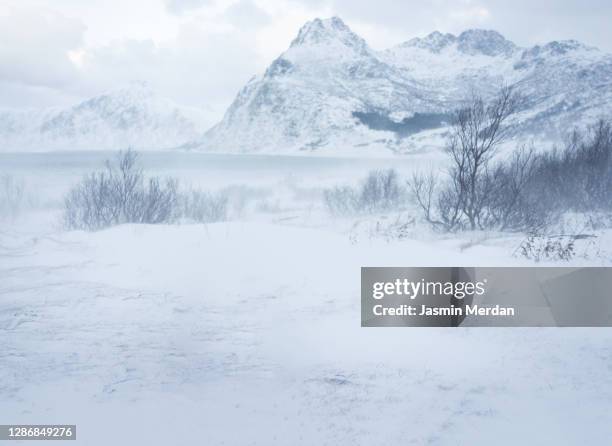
x: 330, y: 92
x: 132, y: 116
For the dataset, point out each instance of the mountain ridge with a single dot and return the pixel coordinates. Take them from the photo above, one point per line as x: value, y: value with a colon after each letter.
x: 333, y: 92
x: 329, y: 91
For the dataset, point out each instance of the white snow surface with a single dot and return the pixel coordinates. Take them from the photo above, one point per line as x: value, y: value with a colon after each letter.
x: 248, y: 331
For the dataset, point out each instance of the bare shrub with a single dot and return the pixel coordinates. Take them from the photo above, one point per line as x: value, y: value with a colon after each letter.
x: 380, y: 191
x: 341, y: 200
x: 599, y: 220
x: 548, y: 248
x: 88, y: 205
x: 269, y: 205
x: 120, y: 194
x: 476, y: 132
x: 389, y: 228
x: 441, y: 209
x: 476, y: 192
x: 578, y: 177
x: 539, y: 189
x: 204, y: 207
x: 11, y: 196
x: 158, y: 201
x: 512, y: 202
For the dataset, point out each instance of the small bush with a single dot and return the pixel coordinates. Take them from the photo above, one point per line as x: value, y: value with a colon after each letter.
x: 512, y: 203
x: 11, y: 196
x: 548, y: 248
x: 578, y: 177
x: 120, y: 194
x: 380, y: 191
x: 527, y: 192
x: 389, y: 228
x: 341, y: 200
x: 204, y: 207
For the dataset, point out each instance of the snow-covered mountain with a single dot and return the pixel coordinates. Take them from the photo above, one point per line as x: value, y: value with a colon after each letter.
x: 130, y: 116
x: 314, y: 94
x: 331, y: 92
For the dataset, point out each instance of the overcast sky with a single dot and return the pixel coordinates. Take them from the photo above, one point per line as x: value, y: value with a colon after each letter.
x: 200, y: 52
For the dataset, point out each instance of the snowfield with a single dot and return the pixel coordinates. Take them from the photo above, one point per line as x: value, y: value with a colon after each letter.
x: 248, y: 331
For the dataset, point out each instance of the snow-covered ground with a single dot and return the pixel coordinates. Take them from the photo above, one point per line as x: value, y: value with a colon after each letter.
x: 248, y: 331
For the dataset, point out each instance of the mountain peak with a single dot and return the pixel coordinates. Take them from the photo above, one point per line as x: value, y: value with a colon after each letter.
x: 484, y: 41
x: 471, y: 41
x: 135, y: 90
x: 138, y: 86
x: 552, y: 50
x: 565, y: 46
x: 326, y: 31
x: 435, y: 41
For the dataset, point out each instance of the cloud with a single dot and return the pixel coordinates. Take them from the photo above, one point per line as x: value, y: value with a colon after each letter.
x: 410, y: 16
x: 45, y: 58
x: 246, y: 14
x: 527, y: 22
x: 199, y: 68
x: 35, y: 47
x: 384, y: 23
x: 183, y: 6
x: 201, y: 52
